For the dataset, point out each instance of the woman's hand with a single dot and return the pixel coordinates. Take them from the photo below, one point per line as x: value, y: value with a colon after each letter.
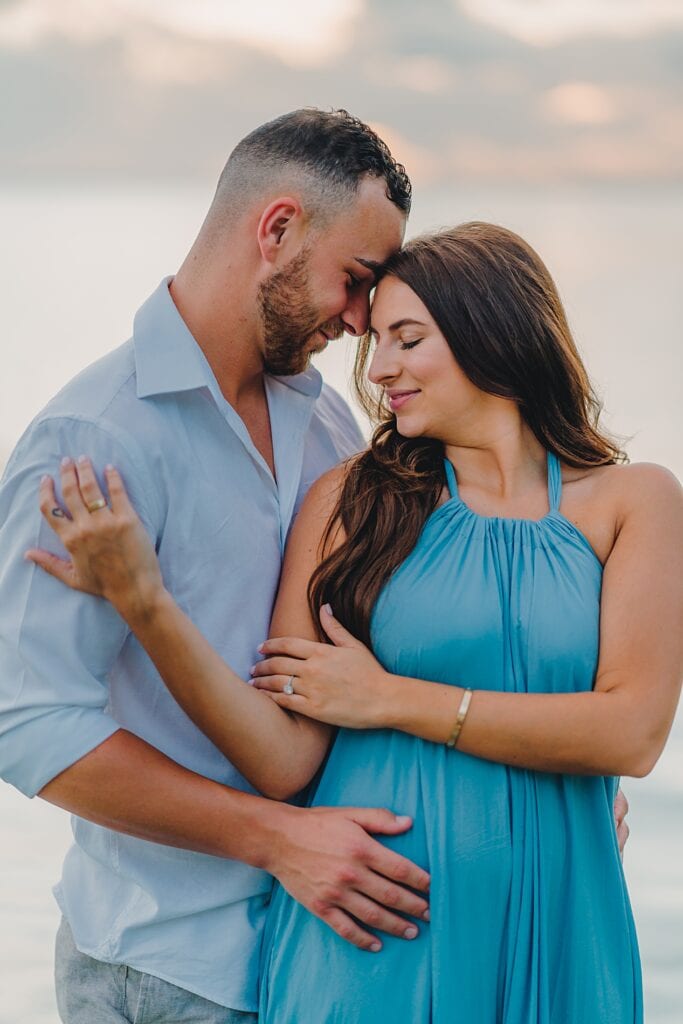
x: 111, y: 553
x: 343, y: 685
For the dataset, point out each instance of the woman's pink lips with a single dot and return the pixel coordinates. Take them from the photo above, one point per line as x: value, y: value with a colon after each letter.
x: 396, y: 401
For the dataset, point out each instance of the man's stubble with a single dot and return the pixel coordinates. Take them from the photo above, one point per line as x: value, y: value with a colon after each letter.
x: 290, y: 317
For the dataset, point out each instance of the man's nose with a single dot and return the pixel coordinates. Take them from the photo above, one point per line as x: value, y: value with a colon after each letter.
x: 356, y: 316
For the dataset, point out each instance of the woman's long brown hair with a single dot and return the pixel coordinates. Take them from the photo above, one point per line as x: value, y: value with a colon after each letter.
x: 494, y: 301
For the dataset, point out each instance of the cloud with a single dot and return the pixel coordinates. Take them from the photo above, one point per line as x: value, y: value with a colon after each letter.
x: 306, y: 36
x: 580, y: 103
x: 124, y: 96
x: 545, y: 24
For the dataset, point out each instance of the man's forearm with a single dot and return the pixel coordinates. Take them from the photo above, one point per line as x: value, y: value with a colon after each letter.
x: 127, y: 785
x: 323, y: 856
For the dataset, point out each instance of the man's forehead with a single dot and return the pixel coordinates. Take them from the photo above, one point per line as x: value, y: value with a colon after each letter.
x: 372, y: 247
x: 376, y: 226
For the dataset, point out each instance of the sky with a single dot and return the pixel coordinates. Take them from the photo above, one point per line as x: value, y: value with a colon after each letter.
x: 316, y: 28
x: 546, y: 21
x: 514, y: 90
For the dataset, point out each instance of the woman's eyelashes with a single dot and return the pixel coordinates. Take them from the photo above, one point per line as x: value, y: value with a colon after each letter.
x: 374, y: 341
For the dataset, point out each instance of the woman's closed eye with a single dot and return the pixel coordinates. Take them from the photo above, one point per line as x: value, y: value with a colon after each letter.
x: 411, y: 344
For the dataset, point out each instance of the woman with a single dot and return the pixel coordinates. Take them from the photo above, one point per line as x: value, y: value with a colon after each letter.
x: 506, y: 643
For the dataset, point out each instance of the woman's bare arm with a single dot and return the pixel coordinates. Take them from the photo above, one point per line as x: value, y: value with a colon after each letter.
x: 619, y: 728
x: 277, y: 751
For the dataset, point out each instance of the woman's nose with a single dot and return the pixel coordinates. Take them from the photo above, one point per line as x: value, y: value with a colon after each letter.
x: 382, y: 369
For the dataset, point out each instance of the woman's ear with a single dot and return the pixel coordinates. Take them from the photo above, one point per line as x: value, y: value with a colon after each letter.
x: 279, y: 224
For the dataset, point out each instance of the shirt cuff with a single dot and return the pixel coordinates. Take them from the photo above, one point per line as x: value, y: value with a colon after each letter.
x: 38, y: 750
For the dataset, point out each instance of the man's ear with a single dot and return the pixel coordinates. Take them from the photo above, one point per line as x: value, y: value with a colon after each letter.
x: 278, y: 225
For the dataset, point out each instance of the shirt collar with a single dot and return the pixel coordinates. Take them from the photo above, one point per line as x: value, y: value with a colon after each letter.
x: 308, y: 383
x: 168, y: 359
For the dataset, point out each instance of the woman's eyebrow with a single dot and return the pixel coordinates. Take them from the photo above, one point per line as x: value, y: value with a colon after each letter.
x: 405, y: 322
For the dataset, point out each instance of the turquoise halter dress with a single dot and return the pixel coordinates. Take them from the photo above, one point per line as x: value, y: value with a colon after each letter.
x: 530, y: 917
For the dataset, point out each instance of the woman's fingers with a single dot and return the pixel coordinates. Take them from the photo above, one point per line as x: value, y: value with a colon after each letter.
x: 291, y: 646
x: 81, y: 490
x: 275, y: 687
x: 273, y: 684
x: 91, y: 493
x: 53, y: 513
x: 277, y: 667
x: 110, y: 554
x: 81, y: 475
x: 71, y: 492
x: 290, y: 702
x: 118, y: 495
x: 60, y: 568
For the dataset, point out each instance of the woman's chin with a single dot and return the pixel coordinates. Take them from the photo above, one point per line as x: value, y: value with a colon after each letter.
x: 409, y: 428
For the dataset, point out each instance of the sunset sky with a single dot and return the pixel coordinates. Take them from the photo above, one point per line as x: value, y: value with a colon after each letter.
x: 317, y: 27
x: 466, y: 89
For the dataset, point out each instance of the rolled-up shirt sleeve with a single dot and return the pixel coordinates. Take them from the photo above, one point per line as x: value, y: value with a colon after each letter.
x: 57, y: 646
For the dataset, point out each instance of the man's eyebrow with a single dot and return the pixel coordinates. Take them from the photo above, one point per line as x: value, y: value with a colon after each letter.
x: 371, y: 265
x: 405, y: 322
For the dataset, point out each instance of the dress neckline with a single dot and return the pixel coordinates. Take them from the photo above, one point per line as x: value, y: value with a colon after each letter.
x: 554, y: 477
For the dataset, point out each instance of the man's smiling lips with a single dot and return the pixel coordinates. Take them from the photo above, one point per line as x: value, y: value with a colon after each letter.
x: 326, y: 336
x: 399, y: 398
x: 318, y: 342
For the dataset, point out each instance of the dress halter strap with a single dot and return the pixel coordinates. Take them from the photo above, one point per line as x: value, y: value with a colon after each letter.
x: 450, y: 478
x: 554, y: 482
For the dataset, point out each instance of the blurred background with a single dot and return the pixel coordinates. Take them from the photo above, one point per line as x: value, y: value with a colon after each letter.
x: 562, y: 120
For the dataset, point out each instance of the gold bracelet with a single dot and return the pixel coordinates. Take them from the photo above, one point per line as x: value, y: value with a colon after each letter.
x: 462, y: 714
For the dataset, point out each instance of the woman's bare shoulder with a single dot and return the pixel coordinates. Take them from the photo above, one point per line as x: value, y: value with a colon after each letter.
x: 624, y: 490
x: 600, y: 500
x: 323, y: 495
x: 626, y: 479
x: 634, y: 484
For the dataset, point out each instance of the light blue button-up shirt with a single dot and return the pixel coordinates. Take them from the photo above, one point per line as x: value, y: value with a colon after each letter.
x: 70, y: 671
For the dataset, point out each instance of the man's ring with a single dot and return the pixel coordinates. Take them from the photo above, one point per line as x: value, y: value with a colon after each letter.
x: 289, y: 686
x: 58, y: 513
x: 95, y: 506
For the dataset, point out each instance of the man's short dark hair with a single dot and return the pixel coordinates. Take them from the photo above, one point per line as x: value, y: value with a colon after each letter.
x: 332, y: 149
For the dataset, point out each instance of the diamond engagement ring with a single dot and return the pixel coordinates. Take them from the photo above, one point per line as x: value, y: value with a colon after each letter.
x: 289, y: 685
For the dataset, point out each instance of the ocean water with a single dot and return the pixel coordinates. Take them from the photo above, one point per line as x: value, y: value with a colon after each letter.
x: 76, y: 262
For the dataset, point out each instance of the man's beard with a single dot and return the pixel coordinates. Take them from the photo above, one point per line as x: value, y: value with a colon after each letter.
x: 290, y: 318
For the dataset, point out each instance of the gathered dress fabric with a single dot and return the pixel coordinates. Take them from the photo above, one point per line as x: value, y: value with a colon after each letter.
x: 530, y: 916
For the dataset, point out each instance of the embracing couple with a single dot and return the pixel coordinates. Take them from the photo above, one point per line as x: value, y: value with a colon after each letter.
x: 403, y: 680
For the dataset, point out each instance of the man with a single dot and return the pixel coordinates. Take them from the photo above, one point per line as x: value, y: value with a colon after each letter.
x: 219, y: 426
